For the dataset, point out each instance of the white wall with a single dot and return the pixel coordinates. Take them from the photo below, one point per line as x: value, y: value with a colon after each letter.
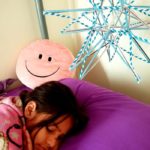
x: 19, y: 27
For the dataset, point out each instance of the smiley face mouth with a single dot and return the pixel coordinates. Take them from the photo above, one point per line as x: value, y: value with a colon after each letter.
x: 40, y: 76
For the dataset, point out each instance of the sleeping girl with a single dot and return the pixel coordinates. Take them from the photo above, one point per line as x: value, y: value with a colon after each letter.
x: 40, y: 119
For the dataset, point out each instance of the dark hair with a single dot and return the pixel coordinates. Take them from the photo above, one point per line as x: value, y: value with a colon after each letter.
x: 56, y: 98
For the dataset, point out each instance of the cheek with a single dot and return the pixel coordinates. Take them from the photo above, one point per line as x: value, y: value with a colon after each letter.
x: 39, y: 137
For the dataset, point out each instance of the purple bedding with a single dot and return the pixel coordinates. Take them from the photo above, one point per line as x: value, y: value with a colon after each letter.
x: 116, y: 121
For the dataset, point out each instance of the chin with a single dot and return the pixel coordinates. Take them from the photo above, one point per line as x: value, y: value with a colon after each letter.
x: 38, y: 147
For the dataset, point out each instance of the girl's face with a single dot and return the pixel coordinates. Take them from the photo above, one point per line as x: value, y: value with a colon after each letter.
x: 50, y: 137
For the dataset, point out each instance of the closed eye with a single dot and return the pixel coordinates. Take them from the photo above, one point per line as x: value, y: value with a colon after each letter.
x: 51, y: 128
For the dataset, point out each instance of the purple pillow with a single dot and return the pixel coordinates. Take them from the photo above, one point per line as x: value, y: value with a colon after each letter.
x: 116, y: 121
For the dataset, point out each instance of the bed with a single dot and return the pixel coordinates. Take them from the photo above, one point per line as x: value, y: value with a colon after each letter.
x: 116, y: 121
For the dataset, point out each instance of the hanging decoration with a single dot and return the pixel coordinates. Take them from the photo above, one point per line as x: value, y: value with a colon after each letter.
x: 108, y: 24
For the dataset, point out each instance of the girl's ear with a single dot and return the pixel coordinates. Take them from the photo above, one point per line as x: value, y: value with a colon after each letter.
x: 30, y: 110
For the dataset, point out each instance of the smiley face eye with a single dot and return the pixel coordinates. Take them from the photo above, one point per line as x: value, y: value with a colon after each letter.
x: 49, y: 58
x: 40, y: 56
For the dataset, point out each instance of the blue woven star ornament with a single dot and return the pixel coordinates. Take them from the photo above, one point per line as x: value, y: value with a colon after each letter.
x: 108, y: 24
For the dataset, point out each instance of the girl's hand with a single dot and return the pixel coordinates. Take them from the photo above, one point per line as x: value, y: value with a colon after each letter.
x: 27, y: 142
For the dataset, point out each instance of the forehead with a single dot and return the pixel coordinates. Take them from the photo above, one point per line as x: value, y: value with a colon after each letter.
x: 63, y: 124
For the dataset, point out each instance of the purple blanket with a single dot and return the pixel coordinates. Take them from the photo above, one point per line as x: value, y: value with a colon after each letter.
x: 116, y: 121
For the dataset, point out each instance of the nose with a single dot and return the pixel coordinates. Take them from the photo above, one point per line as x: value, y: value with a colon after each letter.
x: 51, y: 142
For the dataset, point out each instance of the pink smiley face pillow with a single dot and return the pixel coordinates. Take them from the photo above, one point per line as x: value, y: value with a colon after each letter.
x: 43, y: 61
